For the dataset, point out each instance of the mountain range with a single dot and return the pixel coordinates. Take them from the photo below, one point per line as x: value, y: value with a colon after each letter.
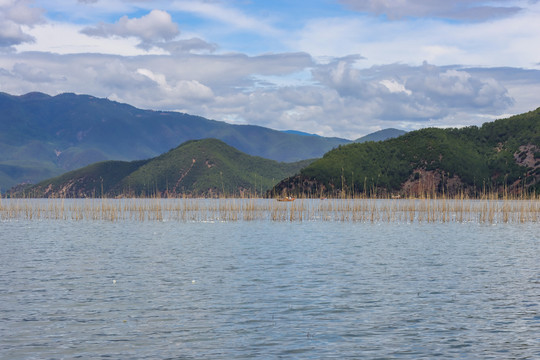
x: 113, y: 149
x: 499, y: 157
x: 42, y: 136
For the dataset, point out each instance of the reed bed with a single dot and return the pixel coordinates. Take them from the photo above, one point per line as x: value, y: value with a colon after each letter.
x: 440, y: 210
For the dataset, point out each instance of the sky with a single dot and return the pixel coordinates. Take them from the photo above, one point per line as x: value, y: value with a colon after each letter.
x: 342, y: 68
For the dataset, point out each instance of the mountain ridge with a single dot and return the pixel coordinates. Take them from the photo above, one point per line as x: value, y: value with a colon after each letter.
x: 198, y: 168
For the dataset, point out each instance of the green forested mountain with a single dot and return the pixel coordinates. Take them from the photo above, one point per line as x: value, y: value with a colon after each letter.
x: 196, y: 168
x: 498, y: 156
x: 42, y: 136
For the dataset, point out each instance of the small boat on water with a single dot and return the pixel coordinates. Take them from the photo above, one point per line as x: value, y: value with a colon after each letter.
x: 288, y: 198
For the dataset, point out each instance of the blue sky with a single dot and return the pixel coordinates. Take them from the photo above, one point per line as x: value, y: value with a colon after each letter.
x: 331, y: 67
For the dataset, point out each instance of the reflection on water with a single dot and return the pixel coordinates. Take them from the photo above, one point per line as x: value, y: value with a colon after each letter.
x: 268, y: 289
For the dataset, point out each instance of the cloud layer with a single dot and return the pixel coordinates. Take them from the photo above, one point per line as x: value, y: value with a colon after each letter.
x: 474, y: 10
x: 344, y: 75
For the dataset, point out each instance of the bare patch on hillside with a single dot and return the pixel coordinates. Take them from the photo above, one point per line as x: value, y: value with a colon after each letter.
x: 525, y: 156
x: 423, y: 182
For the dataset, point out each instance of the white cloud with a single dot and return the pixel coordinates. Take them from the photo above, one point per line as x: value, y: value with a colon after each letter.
x: 64, y: 38
x: 21, y: 12
x: 177, y: 92
x: 14, y: 15
x: 157, y: 26
x: 12, y: 34
x: 395, y: 87
x: 30, y: 73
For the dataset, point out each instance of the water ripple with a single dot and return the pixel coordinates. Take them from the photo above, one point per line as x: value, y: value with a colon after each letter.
x: 244, y: 290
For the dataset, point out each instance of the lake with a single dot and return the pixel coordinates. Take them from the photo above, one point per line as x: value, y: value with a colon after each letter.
x: 237, y: 289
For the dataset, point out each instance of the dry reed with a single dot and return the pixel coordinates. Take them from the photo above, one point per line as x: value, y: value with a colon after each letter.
x: 441, y: 210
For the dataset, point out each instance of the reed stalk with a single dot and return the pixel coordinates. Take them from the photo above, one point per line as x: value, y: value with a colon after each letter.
x: 428, y: 209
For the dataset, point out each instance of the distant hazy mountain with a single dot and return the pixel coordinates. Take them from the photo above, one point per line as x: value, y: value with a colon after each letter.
x: 381, y: 135
x: 196, y: 168
x: 42, y: 136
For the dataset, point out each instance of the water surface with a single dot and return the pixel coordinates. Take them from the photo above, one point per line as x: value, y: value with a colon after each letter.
x: 263, y: 289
